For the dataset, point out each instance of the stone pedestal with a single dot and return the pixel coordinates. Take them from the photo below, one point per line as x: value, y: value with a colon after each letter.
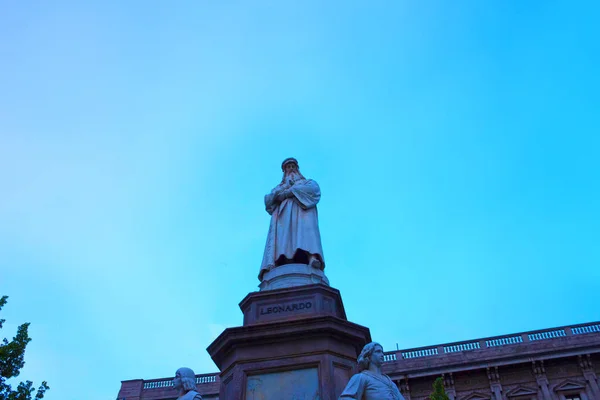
x: 289, y: 275
x: 295, y: 343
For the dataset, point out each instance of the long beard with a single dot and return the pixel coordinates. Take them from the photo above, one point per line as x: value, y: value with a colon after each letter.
x: 292, y: 177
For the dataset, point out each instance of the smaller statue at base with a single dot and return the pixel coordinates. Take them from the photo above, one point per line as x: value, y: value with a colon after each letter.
x: 185, y: 384
x: 370, y: 383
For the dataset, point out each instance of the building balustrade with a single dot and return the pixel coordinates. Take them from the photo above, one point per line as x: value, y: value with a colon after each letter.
x: 504, y: 341
x: 493, y: 342
x: 547, y: 335
x: 581, y: 330
x: 158, y: 384
x: 420, y: 353
x: 461, y: 347
x: 168, y: 382
x: 440, y: 350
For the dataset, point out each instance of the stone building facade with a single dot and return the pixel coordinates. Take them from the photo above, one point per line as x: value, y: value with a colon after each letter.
x: 551, y: 364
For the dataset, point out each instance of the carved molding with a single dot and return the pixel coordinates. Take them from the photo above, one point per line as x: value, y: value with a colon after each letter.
x: 449, y: 385
x: 568, y: 385
x: 478, y: 396
x: 538, y: 368
x: 495, y: 385
x: 585, y: 362
x: 493, y: 375
x: 521, y: 391
x: 448, y: 380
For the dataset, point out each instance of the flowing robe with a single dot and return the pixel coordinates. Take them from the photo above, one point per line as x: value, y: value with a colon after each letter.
x: 370, y: 386
x: 294, y: 223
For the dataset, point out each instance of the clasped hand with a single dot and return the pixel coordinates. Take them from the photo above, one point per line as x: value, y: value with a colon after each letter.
x: 283, y: 194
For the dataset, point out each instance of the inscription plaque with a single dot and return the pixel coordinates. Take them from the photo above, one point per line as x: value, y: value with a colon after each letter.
x: 283, y: 308
x: 300, y: 384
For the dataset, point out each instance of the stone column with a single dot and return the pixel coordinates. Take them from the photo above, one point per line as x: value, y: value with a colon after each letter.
x: 542, y: 380
x: 495, y: 385
x: 584, y: 396
x: 449, y: 385
x: 587, y: 369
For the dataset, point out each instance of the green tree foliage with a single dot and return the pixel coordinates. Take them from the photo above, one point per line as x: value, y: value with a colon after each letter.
x: 12, y: 360
x: 439, y: 393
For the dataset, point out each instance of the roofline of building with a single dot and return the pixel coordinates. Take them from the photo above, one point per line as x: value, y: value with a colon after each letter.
x: 492, y: 349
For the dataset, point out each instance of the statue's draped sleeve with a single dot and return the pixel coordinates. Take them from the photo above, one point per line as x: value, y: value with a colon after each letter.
x: 307, y: 192
x: 270, y: 203
x: 355, y: 389
x: 191, y: 395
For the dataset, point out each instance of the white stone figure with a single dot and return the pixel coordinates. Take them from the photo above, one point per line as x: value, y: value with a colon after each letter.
x: 185, y: 383
x: 370, y: 383
x: 294, y: 236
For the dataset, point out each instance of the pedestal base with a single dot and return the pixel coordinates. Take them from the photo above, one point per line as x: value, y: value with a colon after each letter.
x: 298, y: 302
x: 289, y: 275
x: 298, y: 352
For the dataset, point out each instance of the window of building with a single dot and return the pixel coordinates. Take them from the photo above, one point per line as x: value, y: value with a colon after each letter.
x: 572, y: 397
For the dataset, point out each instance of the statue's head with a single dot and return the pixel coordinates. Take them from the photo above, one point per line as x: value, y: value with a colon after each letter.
x: 371, y: 353
x: 290, y: 169
x: 184, y: 379
x: 289, y: 164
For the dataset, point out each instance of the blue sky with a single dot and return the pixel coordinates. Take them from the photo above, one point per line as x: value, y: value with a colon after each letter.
x: 456, y: 145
